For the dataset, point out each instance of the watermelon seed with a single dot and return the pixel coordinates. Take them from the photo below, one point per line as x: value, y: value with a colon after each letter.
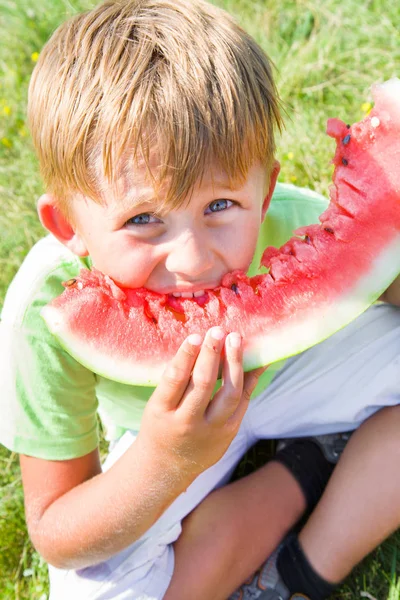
x: 345, y: 162
x: 235, y: 289
x: 149, y: 314
x: 307, y: 239
x: 69, y: 283
x: 346, y: 139
x: 348, y: 126
x: 329, y: 230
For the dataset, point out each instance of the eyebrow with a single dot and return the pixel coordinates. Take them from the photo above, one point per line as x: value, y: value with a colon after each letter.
x: 124, y: 209
x: 128, y: 198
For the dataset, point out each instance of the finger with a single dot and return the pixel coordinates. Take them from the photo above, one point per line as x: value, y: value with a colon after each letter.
x: 205, y: 372
x: 226, y: 400
x: 176, y: 376
x: 259, y: 371
x: 250, y: 381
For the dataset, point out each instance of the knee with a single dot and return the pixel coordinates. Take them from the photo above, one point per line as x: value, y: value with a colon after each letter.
x: 385, y: 425
x: 389, y: 414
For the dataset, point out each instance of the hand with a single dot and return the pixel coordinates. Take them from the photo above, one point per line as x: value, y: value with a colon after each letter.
x: 182, y: 420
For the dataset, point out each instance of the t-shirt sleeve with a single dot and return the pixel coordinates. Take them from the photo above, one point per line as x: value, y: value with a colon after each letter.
x: 48, y: 401
x: 291, y: 207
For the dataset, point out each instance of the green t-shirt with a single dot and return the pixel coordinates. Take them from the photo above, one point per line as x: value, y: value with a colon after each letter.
x: 49, y: 402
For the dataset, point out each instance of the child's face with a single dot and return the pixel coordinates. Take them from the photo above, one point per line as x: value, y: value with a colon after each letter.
x: 189, y: 249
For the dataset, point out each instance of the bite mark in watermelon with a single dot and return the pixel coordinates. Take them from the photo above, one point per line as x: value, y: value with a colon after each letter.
x: 318, y: 282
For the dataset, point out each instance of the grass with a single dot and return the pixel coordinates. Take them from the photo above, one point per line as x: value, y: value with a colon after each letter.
x: 327, y: 55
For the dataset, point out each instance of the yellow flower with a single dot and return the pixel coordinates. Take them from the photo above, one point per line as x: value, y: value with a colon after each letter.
x: 366, y: 107
x: 293, y: 178
x: 34, y: 56
x: 290, y: 155
x: 6, y: 142
x: 22, y: 131
x: 6, y: 110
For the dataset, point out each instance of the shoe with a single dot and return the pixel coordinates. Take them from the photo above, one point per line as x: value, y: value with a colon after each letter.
x: 331, y: 444
x: 265, y: 584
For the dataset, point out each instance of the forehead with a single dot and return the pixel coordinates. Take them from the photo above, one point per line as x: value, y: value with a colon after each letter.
x: 138, y: 183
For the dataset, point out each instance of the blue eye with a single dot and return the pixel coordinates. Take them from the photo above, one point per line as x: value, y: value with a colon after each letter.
x: 142, y: 219
x: 219, y: 205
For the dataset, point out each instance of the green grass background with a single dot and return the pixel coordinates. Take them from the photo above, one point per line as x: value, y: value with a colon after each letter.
x: 327, y: 54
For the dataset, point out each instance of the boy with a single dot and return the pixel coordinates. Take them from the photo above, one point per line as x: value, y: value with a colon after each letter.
x: 154, y: 124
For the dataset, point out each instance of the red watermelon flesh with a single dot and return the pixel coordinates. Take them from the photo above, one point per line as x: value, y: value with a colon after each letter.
x: 316, y: 283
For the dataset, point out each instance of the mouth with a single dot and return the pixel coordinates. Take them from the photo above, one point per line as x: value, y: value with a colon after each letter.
x: 185, y: 295
x: 200, y: 297
x: 186, y: 292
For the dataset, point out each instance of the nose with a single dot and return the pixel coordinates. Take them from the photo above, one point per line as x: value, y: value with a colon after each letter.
x: 189, y: 256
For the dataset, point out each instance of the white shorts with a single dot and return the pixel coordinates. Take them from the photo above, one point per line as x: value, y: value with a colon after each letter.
x: 332, y: 387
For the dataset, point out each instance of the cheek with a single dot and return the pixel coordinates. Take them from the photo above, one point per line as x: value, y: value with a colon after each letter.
x: 127, y: 264
x: 243, y: 244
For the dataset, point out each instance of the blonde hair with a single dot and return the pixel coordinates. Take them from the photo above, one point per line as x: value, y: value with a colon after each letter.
x: 130, y: 76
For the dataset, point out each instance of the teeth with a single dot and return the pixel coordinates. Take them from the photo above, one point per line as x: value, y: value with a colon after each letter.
x: 188, y: 294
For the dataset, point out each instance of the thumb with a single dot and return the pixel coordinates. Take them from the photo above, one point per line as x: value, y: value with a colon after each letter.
x: 251, y: 379
x: 259, y: 371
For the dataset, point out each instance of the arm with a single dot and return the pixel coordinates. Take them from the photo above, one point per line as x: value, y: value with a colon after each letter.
x: 82, y: 516
x: 392, y: 294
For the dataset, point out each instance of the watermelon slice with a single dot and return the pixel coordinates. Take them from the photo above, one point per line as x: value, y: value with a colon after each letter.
x: 316, y: 283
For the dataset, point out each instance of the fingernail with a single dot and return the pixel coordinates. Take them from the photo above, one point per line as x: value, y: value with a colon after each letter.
x: 234, y: 340
x: 195, y: 339
x: 217, y: 333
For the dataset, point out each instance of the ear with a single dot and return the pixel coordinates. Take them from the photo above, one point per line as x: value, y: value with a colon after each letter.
x: 276, y: 167
x: 54, y: 221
